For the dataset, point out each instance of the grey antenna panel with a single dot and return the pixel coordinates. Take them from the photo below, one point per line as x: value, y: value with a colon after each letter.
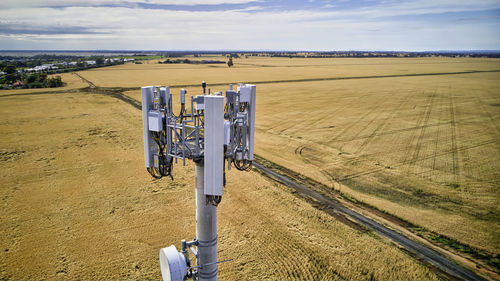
x: 149, y: 146
x: 214, y: 144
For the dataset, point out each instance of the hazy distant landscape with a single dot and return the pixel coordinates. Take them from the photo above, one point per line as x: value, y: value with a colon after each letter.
x: 29, y: 69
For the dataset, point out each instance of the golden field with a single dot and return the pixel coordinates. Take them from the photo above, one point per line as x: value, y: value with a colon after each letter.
x: 78, y: 203
x: 424, y: 148
x: 255, y: 69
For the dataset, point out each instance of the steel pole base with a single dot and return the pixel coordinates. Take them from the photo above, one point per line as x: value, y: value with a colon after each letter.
x: 206, y: 230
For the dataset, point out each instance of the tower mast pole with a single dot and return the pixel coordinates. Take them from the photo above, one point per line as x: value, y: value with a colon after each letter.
x: 206, y: 229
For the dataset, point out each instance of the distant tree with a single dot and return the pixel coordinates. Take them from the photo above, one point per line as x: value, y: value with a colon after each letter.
x: 31, y: 78
x: 33, y: 62
x: 11, y: 78
x: 42, y: 77
x: 36, y: 85
x: 10, y: 68
x: 80, y: 64
x: 99, y: 61
x: 230, y: 62
x: 54, y: 82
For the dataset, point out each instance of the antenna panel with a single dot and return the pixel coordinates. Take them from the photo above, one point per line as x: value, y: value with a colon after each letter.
x: 165, y: 94
x: 251, y: 121
x: 214, y: 145
x: 149, y: 146
x: 227, y: 132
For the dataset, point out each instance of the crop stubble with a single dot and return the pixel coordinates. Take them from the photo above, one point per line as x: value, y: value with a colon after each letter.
x: 78, y: 204
x: 78, y: 194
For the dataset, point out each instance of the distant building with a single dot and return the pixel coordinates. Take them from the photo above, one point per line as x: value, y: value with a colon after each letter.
x: 42, y: 67
x: 90, y: 62
x: 110, y: 60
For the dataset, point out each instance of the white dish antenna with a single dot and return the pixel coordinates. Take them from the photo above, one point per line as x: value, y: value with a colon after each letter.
x: 172, y: 264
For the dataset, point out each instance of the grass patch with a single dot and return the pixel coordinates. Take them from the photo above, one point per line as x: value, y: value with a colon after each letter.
x: 348, y: 197
x: 487, y: 258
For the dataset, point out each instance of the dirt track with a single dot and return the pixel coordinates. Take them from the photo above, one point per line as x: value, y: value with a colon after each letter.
x: 415, y: 249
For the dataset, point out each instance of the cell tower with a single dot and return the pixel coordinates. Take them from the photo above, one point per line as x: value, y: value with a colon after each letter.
x: 212, y: 133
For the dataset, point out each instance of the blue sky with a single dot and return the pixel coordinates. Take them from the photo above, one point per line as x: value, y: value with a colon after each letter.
x: 321, y: 25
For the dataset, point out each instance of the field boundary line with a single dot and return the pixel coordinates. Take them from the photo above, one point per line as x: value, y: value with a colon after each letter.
x: 91, y: 85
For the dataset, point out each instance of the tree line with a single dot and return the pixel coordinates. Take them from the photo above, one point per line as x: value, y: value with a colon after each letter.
x: 15, y: 79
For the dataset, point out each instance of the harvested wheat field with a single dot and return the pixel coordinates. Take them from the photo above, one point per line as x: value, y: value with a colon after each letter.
x: 424, y: 149
x: 77, y: 202
x: 418, y: 138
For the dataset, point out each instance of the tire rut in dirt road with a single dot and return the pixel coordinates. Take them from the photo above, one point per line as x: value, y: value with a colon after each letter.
x: 91, y: 85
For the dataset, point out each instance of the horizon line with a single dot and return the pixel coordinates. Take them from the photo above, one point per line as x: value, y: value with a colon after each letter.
x: 242, y: 51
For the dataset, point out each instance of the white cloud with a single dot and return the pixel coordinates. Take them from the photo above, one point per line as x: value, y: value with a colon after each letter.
x: 419, y: 7
x: 10, y: 4
x: 249, y: 28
